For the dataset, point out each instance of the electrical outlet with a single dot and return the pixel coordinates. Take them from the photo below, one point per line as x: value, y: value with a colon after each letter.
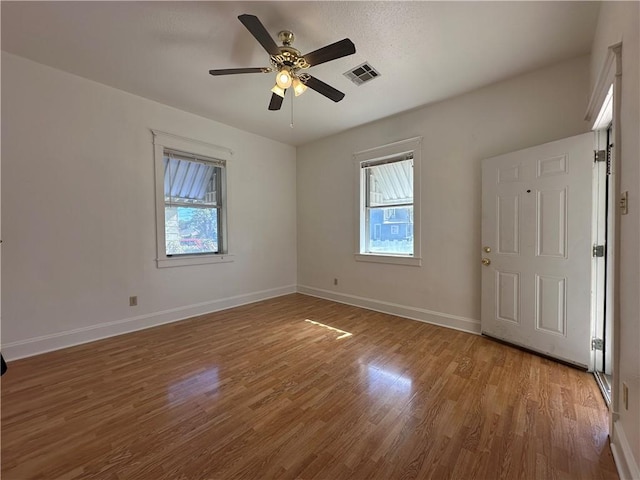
x: 625, y: 396
x: 335, y: 281
x: 133, y: 301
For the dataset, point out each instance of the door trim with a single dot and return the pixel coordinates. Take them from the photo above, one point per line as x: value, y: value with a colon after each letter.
x: 611, y: 74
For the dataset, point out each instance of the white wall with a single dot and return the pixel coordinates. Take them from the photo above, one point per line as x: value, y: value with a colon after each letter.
x: 78, y: 213
x: 619, y: 21
x: 458, y: 133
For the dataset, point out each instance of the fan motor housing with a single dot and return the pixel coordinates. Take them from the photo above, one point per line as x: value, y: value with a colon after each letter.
x: 289, y: 57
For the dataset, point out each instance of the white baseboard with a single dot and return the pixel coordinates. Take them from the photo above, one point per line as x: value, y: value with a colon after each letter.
x: 464, y: 324
x: 56, y: 341
x: 622, y: 454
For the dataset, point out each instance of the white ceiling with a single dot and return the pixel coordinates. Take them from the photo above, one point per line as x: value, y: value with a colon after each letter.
x: 425, y: 51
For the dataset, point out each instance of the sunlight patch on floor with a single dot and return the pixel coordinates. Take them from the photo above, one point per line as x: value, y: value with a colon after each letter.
x: 344, y: 334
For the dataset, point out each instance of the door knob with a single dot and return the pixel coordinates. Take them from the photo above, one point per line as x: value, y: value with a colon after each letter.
x: 486, y: 261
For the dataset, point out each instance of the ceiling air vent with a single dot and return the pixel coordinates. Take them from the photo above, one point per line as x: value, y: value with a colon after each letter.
x: 362, y: 74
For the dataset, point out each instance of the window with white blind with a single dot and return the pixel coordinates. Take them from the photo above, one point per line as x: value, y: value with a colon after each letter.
x: 389, y: 203
x: 190, y: 201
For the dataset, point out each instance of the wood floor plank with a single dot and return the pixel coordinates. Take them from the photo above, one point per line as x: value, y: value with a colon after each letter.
x: 299, y: 387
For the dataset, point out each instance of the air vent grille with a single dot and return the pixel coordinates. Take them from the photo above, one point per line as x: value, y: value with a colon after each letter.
x: 362, y: 74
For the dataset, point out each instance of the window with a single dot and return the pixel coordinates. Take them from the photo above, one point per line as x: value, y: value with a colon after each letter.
x: 389, y: 203
x: 190, y: 201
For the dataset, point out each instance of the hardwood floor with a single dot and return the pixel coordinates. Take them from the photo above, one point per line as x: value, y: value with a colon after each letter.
x: 266, y: 391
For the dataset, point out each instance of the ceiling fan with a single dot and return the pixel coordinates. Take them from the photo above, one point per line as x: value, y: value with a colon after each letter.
x: 289, y: 63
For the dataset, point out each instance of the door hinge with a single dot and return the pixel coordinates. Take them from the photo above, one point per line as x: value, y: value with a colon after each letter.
x: 599, y: 155
x: 598, y: 250
x: 597, y: 344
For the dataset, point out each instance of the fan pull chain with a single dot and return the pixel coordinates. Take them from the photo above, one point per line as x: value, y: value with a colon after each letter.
x: 291, y: 124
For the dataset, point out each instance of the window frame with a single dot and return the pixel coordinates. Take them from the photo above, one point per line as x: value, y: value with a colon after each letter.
x: 188, y: 146
x: 388, y: 152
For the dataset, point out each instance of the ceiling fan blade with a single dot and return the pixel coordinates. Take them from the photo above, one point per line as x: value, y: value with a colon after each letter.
x: 254, y: 25
x: 331, y: 52
x: 276, y: 101
x: 233, y: 71
x: 324, y: 89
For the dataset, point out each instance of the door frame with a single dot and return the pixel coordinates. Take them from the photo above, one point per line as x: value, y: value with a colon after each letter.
x: 611, y: 75
x: 603, y: 210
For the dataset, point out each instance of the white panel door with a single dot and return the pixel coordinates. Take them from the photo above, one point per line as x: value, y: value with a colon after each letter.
x: 536, y: 248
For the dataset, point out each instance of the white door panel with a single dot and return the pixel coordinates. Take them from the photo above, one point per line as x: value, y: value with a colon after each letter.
x: 536, y: 221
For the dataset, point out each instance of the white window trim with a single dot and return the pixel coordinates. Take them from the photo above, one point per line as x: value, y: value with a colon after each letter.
x: 162, y: 140
x: 391, y: 150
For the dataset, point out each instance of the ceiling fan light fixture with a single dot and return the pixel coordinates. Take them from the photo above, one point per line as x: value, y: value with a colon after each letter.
x: 289, y: 63
x: 277, y: 90
x: 283, y: 78
x: 298, y: 87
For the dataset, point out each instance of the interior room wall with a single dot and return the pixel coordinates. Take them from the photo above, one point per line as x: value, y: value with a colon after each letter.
x: 528, y: 110
x: 78, y: 212
x: 619, y: 22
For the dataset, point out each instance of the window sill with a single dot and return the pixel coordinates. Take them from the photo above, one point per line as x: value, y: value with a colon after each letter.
x: 186, y: 260
x: 392, y: 259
